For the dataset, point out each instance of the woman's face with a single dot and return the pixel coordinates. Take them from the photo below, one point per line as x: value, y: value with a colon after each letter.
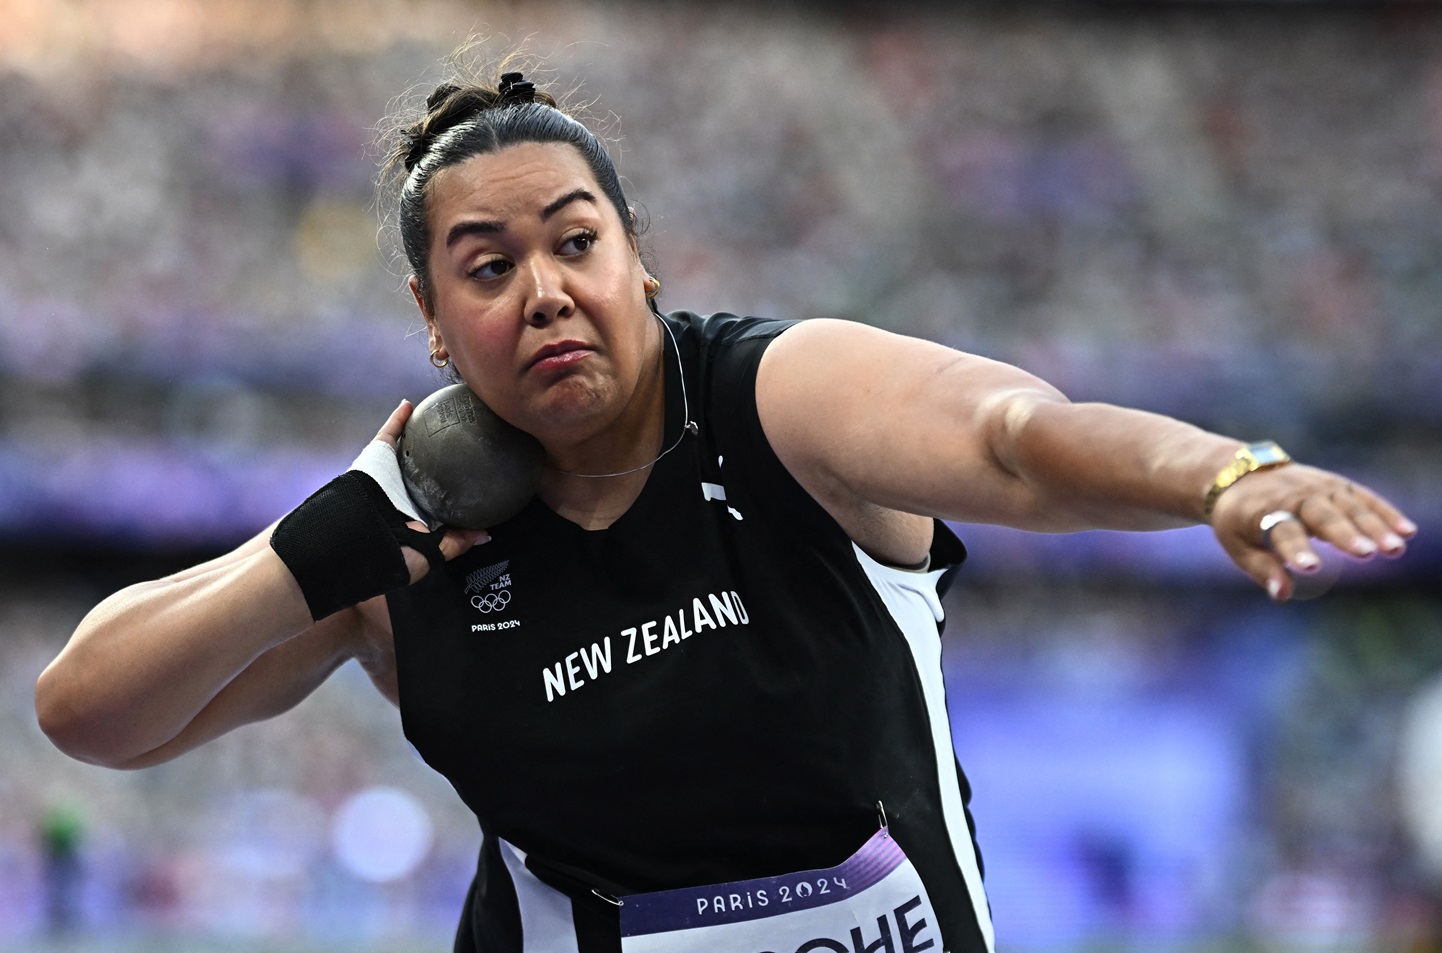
x: 537, y: 293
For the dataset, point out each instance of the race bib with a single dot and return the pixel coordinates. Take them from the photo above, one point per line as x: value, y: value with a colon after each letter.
x: 872, y: 903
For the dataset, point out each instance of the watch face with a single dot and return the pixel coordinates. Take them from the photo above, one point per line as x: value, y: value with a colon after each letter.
x: 1268, y: 454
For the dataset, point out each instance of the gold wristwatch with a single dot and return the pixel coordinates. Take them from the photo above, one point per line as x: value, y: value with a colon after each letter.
x: 1262, y: 455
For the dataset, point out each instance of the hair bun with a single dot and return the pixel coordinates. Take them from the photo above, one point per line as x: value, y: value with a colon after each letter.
x: 416, y: 146
x: 450, y: 104
x: 440, y: 95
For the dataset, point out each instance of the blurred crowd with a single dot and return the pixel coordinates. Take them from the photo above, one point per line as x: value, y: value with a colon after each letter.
x: 1233, y: 217
x: 1230, y: 213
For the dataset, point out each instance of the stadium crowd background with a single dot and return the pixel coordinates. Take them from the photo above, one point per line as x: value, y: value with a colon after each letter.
x: 1227, y: 212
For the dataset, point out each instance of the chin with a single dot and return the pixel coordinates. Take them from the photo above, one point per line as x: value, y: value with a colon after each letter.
x: 576, y: 409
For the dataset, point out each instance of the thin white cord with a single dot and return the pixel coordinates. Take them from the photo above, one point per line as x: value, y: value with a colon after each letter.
x: 685, y: 412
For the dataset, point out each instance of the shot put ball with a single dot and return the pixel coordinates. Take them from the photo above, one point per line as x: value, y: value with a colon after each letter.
x: 465, y: 466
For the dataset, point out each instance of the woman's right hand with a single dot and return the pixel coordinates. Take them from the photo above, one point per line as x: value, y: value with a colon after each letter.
x: 454, y: 541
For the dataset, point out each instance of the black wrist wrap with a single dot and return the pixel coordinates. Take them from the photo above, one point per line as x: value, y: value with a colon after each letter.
x: 343, y: 544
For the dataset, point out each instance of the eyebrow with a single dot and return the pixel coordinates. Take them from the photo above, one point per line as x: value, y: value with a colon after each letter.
x: 575, y: 195
x: 493, y: 227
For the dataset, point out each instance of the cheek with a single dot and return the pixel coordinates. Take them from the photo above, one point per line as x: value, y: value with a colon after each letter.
x: 478, y: 344
x: 624, y: 288
x: 485, y: 349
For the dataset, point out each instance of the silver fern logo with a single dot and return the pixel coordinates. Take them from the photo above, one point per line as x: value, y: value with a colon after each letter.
x: 483, y: 577
x: 489, y: 591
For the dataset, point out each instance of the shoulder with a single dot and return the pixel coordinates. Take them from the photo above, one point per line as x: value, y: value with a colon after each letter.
x: 805, y: 386
x: 817, y: 342
x: 723, y: 352
x: 724, y: 329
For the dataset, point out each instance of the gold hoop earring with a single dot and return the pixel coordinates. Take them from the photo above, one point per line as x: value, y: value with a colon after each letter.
x: 438, y: 364
x: 653, y: 286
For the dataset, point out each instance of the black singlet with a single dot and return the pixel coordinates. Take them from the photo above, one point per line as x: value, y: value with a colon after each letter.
x: 719, y: 686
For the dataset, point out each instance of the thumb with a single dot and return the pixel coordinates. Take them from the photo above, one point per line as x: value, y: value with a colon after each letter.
x: 453, y: 543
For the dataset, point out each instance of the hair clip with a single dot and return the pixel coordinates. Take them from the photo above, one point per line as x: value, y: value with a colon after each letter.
x: 515, y: 88
x: 417, y: 145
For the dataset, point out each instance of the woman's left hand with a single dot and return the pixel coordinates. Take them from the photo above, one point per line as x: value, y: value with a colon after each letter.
x: 1267, y: 520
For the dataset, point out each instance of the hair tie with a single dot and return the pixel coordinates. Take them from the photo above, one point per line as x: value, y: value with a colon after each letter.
x: 516, y: 89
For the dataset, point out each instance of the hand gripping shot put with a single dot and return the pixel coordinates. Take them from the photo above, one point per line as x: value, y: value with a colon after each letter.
x: 456, y: 464
x: 464, y: 465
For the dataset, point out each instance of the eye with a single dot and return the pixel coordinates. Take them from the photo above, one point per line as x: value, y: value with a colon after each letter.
x: 491, y: 268
x: 579, y: 243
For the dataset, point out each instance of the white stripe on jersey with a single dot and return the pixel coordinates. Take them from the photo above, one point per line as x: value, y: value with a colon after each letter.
x: 547, y: 924
x: 911, y: 599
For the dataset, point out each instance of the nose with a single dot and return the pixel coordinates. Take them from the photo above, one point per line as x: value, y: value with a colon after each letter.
x: 546, y: 296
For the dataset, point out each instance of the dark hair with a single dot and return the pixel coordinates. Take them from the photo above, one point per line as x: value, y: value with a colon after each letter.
x: 468, y: 120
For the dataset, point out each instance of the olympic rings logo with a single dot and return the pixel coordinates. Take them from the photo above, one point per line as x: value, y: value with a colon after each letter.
x: 492, y: 601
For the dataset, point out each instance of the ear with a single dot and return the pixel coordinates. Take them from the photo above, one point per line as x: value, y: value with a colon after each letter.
x: 432, y: 332
x: 631, y: 232
x: 414, y: 284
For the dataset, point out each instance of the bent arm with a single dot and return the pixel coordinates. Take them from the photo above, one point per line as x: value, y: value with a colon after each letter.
x: 859, y: 413
x: 163, y: 666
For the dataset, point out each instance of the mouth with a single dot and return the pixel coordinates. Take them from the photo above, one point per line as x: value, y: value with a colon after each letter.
x: 560, y: 354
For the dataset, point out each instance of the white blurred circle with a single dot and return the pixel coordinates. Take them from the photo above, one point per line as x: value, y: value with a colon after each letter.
x: 381, y: 834
x: 1419, y: 773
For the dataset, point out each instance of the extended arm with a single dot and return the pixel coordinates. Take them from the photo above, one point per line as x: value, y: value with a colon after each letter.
x: 913, y: 426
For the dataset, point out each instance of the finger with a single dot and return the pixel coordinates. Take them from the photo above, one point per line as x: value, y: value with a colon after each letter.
x: 391, y: 430
x: 460, y: 541
x: 1372, y: 527
x: 1331, y: 518
x: 1378, y: 520
x: 453, y: 543
x: 1265, y: 568
x: 1395, y: 519
x: 1283, y: 533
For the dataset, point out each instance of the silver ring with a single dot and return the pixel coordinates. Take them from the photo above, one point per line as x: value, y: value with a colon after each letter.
x: 1274, y: 519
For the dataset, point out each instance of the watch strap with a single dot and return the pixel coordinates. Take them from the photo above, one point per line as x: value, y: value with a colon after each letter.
x: 1261, y: 455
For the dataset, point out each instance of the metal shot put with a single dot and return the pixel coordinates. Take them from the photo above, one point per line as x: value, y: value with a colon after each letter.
x: 463, y: 464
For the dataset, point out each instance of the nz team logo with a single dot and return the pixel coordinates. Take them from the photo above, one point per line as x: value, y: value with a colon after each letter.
x: 488, y: 588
